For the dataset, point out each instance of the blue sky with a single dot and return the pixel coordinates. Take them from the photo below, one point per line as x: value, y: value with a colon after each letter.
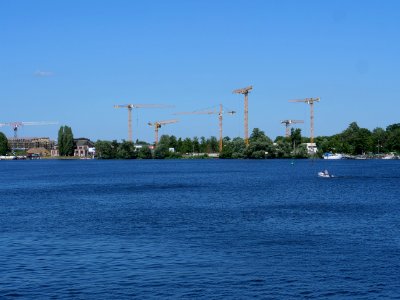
x: 71, y: 61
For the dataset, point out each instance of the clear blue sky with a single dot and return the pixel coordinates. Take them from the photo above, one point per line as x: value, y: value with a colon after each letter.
x: 71, y: 61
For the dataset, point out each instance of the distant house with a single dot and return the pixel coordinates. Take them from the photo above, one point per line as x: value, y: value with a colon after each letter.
x: 54, y: 151
x: 311, y: 148
x: 84, y: 147
x: 35, y: 152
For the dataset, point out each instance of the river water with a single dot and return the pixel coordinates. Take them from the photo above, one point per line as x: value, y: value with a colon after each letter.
x: 210, y: 229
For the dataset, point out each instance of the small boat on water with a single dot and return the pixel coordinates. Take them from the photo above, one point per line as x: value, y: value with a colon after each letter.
x: 389, y: 156
x: 329, y: 155
x: 325, y: 174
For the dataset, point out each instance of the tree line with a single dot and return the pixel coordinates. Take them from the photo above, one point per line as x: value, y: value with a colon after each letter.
x: 356, y: 140
x: 260, y: 146
x: 353, y: 141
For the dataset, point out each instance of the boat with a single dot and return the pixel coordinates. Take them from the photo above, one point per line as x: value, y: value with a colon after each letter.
x: 325, y: 174
x: 329, y: 155
x: 389, y: 156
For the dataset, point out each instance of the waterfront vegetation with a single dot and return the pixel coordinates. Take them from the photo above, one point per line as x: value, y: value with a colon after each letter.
x: 65, y: 141
x: 4, y: 149
x: 352, y: 141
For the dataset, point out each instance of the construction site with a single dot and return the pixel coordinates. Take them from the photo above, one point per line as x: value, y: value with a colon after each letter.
x: 220, y: 112
x: 17, y: 143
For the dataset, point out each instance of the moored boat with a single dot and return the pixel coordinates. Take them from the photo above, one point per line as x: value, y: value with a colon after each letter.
x: 330, y: 155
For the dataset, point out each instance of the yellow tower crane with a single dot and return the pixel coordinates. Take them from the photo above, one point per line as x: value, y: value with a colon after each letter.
x: 309, y: 101
x: 288, y: 123
x: 245, y: 91
x: 131, y: 106
x: 211, y: 112
x: 157, y: 125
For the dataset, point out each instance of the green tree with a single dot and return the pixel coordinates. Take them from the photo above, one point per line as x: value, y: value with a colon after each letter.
x: 238, y: 147
x: 259, y: 144
x: 187, y: 146
x: 104, y: 150
x: 60, y: 141
x: 162, y: 149
x: 3, y: 144
x: 358, y: 140
x: 196, y: 144
x: 392, y: 127
x: 204, y: 147
x: 393, y: 143
x: 179, y: 144
x: 295, y: 137
x: 126, y: 150
x: 227, y: 149
x: 379, y: 138
x: 282, y: 149
x: 144, y: 152
x: 69, y: 145
x: 214, y: 144
x: 66, y: 144
x: 173, y: 142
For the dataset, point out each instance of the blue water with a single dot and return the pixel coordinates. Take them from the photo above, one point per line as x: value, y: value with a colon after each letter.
x: 209, y: 229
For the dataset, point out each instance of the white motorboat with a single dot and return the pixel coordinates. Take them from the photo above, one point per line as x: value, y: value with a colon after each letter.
x: 330, y: 155
x: 325, y: 174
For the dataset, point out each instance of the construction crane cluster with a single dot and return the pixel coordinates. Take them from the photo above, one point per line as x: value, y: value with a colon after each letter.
x: 243, y: 91
x: 132, y: 106
x: 158, y: 124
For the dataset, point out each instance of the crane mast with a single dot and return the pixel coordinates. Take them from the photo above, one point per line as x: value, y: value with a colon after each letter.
x: 130, y: 107
x: 288, y: 123
x: 212, y: 112
x: 245, y: 91
x: 157, y: 125
x: 309, y: 101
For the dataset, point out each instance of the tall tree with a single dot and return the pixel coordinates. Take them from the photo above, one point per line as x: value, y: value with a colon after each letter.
x: 60, y: 141
x: 3, y: 144
x: 295, y: 137
x: 66, y: 144
x: 214, y: 145
x: 68, y: 141
x: 196, y: 144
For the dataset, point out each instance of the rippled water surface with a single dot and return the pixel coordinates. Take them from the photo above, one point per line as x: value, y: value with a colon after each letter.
x: 199, y: 229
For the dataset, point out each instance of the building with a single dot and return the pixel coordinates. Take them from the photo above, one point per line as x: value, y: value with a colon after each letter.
x: 28, y: 143
x: 54, y: 151
x: 84, y: 148
x: 38, y: 152
x: 311, y: 148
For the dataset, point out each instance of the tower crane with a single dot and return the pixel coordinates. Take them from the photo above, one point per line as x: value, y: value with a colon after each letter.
x: 157, y: 125
x: 131, y: 106
x: 309, y: 101
x: 211, y: 112
x: 17, y: 125
x: 288, y: 123
x: 245, y: 91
